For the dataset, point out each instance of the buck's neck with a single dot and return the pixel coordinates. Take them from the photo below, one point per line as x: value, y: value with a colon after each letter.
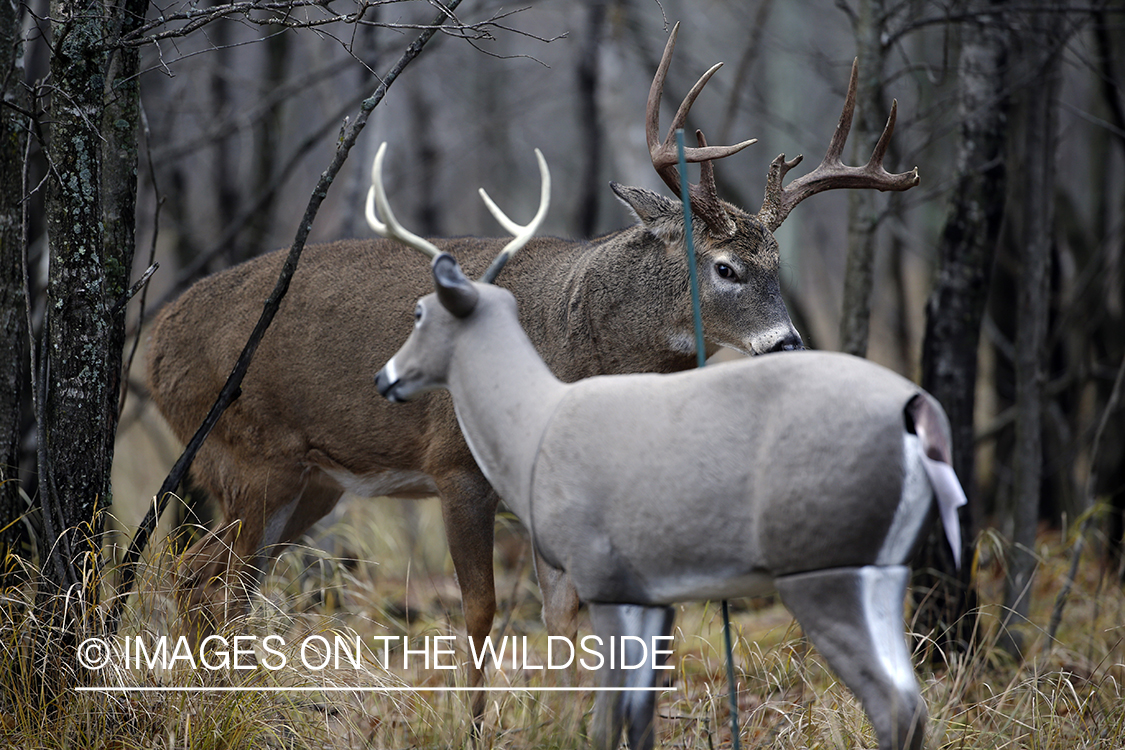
x: 503, y: 395
x: 610, y: 308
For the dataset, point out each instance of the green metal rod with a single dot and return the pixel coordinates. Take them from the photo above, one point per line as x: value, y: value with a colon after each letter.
x: 701, y: 360
x: 733, y: 693
x: 689, y: 242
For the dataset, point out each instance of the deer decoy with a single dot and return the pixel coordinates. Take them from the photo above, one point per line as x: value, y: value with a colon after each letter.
x: 306, y: 428
x: 811, y: 473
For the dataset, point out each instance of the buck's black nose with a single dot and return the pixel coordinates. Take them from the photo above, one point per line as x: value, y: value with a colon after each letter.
x: 789, y: 343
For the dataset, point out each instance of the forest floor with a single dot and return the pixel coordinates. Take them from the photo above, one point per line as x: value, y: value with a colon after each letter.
x: 387, y: 584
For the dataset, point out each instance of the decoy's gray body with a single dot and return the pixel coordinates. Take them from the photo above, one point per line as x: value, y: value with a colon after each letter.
x: 811, y: 473
x: 807, y: 472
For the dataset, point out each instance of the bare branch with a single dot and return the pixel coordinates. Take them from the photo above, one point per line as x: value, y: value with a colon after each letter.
x: 279, y: 178
x: 258, y: 111
x: 307, y: 14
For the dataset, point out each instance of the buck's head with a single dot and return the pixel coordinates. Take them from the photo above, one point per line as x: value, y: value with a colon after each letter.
x: 738, y: 271
x: 737, y: 255
x: 443, y: 320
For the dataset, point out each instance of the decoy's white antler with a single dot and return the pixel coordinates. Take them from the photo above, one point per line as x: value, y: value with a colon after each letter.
x: 392, y: 229
x: 377, y: 197
x: 521, y: 233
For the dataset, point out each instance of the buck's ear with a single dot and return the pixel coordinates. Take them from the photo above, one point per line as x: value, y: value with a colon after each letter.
x: 661, y: 216
x: 454, y: 290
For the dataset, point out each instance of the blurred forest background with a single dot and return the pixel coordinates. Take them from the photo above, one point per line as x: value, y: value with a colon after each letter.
x: 998, y: 283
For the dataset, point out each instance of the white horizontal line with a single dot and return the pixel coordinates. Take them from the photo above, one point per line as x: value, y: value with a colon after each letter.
x: 363, y: 689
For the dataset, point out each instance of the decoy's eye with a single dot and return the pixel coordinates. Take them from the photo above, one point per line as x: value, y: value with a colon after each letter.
x: 417, y: 314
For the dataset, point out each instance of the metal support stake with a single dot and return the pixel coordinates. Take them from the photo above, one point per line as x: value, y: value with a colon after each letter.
x: 701, y: 360
x: 689, y: 242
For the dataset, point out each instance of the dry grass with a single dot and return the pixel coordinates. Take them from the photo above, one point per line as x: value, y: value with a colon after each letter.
x: 388, y: 575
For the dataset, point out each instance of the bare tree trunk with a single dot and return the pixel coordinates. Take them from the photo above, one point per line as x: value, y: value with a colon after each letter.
x: 90, y: 220
x: 863, y: 213
x: 1112, y: 471
x: 589, y: 118
x: 266, y: 146
x: 120, y: 133
x: 1040, y: 67
x: 73, y: 467
x: 224, y: 166
x: 13, y: 315
x: 957, y: 303
x: 428, y: 159
x: 366, y: 47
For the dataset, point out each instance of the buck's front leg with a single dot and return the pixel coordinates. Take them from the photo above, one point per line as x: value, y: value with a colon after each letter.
x: 468, y: 508
x: 854, y: 618
x: 560, y: 599
x: 635, y: 666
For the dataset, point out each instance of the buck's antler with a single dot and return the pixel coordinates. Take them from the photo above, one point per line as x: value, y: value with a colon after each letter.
x: 704, y: 199
x: 832, y: 172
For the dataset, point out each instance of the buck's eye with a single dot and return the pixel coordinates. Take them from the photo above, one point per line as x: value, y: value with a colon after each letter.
x: 725, y: 272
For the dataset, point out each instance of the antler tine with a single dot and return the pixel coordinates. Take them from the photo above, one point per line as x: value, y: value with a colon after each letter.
x: 832, y: 173
x: 885, y: 137
x: 655, y: 93
x: 664, y: 154
x: 844, y: 124
x: 680, y: 119
x: 377, y: 196
x: 704, y: 196
x: 523, y: 233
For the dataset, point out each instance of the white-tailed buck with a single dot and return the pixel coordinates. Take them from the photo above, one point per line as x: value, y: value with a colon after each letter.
x: 811, y: 473
x: 309, y: 426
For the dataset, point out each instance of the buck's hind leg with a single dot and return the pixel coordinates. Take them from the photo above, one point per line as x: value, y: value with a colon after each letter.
x: 854, y: 618
x: 221, y: 572
x: 203, y: 583
x: 632, y: 709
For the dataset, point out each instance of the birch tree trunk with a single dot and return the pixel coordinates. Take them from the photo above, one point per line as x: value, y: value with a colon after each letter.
x: 91, y: 199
